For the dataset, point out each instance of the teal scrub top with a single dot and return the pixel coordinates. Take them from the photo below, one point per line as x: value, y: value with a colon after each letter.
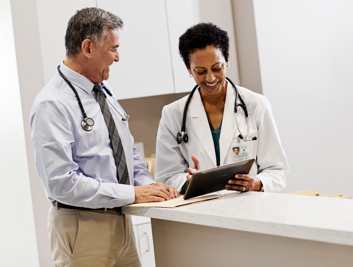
x: 215, y: 136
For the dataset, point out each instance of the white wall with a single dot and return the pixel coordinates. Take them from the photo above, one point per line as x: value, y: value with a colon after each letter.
x: 247, y: 50
x: 18, y: 245
x: 31, y: 81
x: 183, y: 14
x: 306, y: 62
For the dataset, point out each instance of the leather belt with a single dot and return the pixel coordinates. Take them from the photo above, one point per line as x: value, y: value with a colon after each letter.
x: 58, y: 205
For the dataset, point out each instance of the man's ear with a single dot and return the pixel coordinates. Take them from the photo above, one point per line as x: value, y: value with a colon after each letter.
x: 86, y: 47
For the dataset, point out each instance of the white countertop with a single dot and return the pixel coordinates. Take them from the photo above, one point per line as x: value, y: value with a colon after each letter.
x: 306, y: 217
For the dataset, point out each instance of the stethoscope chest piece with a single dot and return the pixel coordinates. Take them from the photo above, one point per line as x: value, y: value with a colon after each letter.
x: 87, y: 124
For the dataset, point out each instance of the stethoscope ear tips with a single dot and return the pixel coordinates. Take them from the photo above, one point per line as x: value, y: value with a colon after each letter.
x: 185, y: 138
x: 181, y: 136
x: 240, y: 137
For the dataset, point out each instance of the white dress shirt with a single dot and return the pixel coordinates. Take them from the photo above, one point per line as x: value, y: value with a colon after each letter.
x: 76, y: 166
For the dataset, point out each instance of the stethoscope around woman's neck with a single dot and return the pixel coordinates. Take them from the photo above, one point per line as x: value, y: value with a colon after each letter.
x: 87, y: 122
x: 182, y: 135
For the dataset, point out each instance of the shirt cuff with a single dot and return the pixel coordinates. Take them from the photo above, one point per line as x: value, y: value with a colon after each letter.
x: 181, y: 183
x: 126, y: 195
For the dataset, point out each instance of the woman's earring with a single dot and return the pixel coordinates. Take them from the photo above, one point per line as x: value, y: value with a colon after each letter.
x: 190, y: 75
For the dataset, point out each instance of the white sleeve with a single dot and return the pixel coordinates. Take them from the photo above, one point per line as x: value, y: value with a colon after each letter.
x: 170, y: 163
x: 141, y: 174
x: 271, y: 158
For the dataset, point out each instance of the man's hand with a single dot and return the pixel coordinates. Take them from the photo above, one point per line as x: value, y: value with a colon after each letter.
x: 154, y: 193
x: 195, y: 169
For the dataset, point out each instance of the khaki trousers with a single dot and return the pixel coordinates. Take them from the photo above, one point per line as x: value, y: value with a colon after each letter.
x: 81, y: 238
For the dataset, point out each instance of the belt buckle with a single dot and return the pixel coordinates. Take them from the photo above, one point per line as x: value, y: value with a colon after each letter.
x: 118, y: 210
x: 56, y: 205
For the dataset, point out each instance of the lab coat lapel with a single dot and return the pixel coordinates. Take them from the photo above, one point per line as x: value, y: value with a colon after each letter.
x: 228, y: 124
x: 201, y: 127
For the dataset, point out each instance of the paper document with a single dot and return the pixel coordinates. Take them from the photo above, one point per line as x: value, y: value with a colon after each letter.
x: 180, y: 201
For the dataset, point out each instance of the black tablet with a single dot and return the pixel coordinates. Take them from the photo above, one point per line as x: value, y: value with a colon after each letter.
x: 215, y: 179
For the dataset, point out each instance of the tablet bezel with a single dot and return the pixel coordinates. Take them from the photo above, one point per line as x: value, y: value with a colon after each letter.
x: 215, y: 179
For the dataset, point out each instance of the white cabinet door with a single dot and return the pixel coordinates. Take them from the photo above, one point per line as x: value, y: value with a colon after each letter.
x: 183, y: 14
x: 145, y: 67
x: 53, y: 17
x: 136, y: 220
x: 146, y: 249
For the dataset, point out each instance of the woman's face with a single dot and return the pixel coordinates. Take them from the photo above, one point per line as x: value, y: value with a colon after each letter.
x: 236, y: 151
x: 208, y: 67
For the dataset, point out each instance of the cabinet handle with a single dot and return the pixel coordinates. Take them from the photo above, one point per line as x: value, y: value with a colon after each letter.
x: 148, y: 241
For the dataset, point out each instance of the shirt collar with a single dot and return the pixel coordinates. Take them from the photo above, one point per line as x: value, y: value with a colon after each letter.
x: 77, y: 79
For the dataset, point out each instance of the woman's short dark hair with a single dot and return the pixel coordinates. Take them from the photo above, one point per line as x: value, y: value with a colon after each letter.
x: 200, y: 36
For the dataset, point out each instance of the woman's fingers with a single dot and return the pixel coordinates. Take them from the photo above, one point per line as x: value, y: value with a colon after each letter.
x: 196, y: 162
x: 250, y: 183
x: 236, y: 188
x: 243, y: 176
x: 242, y: 183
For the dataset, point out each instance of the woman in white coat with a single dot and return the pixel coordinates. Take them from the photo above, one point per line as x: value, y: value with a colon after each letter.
x: 213, y: 135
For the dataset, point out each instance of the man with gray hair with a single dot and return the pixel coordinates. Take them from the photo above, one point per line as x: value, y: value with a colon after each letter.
x: 84, y: 151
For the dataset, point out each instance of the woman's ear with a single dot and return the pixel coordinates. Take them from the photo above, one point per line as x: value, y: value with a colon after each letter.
x: 86, y: 47
x: 227, y: 64
x: 189, y: 70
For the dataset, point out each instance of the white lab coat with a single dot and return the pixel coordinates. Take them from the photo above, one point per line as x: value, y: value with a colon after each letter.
x: 271, y: 165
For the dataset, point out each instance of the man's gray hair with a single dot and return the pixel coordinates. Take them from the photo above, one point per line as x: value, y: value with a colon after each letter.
x: 89, y: 23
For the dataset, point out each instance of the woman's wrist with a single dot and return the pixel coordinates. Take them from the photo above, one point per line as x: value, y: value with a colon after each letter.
x: 258, y: 185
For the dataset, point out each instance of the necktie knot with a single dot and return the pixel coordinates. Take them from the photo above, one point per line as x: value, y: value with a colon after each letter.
x: 97, y: 88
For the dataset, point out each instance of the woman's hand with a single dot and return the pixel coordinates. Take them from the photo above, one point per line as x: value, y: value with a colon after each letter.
x: 195, y: 169
x: 244, y: 182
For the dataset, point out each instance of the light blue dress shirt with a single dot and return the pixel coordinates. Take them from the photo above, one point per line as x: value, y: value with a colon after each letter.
x: 77, y: 167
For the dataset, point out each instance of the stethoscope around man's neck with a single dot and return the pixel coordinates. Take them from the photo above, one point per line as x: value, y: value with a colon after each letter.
x: 87, y: 122
x: 182, y: 135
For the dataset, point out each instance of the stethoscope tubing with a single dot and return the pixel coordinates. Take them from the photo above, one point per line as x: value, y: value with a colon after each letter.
x: 187, y: 107
x: 73, y: 89
x: 180, y: 135
x: 85, y: 124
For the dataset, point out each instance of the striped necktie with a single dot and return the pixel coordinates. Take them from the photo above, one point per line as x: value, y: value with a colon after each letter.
x: 115, y: 141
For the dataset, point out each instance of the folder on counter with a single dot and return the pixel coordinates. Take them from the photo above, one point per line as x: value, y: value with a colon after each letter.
x: 180, y: 201
x: 311, y: 192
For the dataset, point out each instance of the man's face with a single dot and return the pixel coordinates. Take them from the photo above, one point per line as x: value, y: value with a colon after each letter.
x: 104, y: 55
